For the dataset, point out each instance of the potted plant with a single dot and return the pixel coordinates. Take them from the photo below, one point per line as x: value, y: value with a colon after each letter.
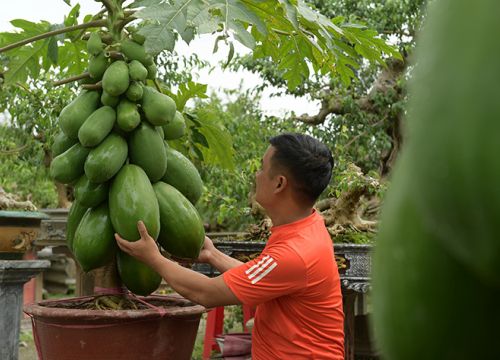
x: 19, y: 226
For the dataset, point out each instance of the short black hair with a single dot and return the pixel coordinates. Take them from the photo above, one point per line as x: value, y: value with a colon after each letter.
x: 307, y: 160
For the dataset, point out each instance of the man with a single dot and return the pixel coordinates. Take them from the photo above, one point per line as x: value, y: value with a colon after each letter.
x: 295, y: 282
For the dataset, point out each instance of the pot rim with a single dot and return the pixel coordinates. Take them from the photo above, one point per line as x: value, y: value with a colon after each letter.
x: 43, y: 309
x: 23, y: 214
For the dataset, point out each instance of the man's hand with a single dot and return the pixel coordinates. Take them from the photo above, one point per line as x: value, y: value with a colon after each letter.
x: 145, y: 249
x: 206, y: 252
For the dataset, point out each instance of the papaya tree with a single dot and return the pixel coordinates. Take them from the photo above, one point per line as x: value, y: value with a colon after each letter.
x: 117, y: 141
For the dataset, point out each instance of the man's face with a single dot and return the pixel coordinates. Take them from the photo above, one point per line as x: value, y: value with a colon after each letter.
x: 264, y: 184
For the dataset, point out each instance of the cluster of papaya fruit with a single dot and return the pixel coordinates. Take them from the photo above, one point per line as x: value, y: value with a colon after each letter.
x: 113, y: 149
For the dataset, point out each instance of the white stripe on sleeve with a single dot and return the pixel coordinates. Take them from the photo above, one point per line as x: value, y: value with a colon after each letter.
x: 269, y: 269
x: 261, y: 268
x: 257, y: 265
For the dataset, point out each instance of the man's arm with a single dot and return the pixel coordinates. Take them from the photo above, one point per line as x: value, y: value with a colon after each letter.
x: 213, y: 256
x: 209, y: 292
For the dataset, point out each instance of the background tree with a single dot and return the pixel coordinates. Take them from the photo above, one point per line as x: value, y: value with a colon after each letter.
x: 363, y: 119
x: 365, y: 116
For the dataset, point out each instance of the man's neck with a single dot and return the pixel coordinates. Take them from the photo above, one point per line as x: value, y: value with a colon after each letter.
x: 287, y: 217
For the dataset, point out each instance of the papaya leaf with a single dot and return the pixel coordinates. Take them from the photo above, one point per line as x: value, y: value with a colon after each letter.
x: 163, y: 19
x: 24, y: 62
x: 236, y: 15
x: 53, y: 50
x: 145, y: 3
x: 72, y: 18
x: 73, y: 57
x: 196, y: 152
x: 188, y: 91
x: 188, y: 34
x: 230, y: 54
x: 291, y: 12
x: 199, y: 138
x: 30, y: 28
x: 216, y: 43
x: 220, y: 144
x: 158, y: 38
x: 324, y: 45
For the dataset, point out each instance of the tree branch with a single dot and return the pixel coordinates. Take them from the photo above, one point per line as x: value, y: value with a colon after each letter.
x: 332, y: 104
x: 96, y: 86
x: 108, y: 5
x: 71, y: 79
x: 96, y: 23
x: 14, y: 151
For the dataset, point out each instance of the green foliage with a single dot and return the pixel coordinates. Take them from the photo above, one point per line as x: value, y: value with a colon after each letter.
x: 35, y: 107
x: 22, y: 168
x: 64, y: 51
x: 362, y: 119
x: 224, y: 202
x: 29, y: 125
x: 175, y: 70
x: 291, y: 33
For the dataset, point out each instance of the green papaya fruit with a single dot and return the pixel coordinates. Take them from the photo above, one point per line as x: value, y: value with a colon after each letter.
x: 436, y: 262
x: 97, y: 66
x: 138, y: 38
x: 75, y: 214
x: 183, y: 175
x: 181, y: 229
x: 419, y: 287
x: 128, y: 117
x: 132, y: 198
x: 137, y: 71
x: 68, y: 166
x: 61, y: 143
x: 134, y: 92
x: 109, y: 100
x: 117, y: 130
x: 137, y: 276
x: 90, y: 194
x: 176, y: 128
x: 115, y: 80
x: 97, y: 126
x: 158, y: 108
x: 135, y: 51
x: 152, y: 71
x: 77, y: 111
x: 160, y: 131
x: 94, y: 244
x: 94, y: 44
x: 105, y: 160
x: 460, y: 153
x: 146, y: 150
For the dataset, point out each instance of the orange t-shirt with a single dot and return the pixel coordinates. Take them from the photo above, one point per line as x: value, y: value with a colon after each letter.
x: 295, y: 285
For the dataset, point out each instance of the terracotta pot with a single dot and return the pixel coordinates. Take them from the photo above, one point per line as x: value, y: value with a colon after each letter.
x: 18, y: 230
x: 78, y: 334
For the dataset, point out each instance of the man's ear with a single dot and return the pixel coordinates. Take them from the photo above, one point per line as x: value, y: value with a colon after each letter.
x: 281, y: 184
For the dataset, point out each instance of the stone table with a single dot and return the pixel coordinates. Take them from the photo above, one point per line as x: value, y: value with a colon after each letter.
x: 13, y: 275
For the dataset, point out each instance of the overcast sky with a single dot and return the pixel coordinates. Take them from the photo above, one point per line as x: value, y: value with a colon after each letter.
x: 54, y: 11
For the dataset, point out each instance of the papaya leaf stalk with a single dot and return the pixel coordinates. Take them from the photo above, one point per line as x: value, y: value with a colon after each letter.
x: 71, y: 79
x: 90, y: 24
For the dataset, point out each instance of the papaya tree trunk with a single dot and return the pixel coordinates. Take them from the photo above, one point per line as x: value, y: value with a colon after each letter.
x: 62, y: 196
x: 106, y: 277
